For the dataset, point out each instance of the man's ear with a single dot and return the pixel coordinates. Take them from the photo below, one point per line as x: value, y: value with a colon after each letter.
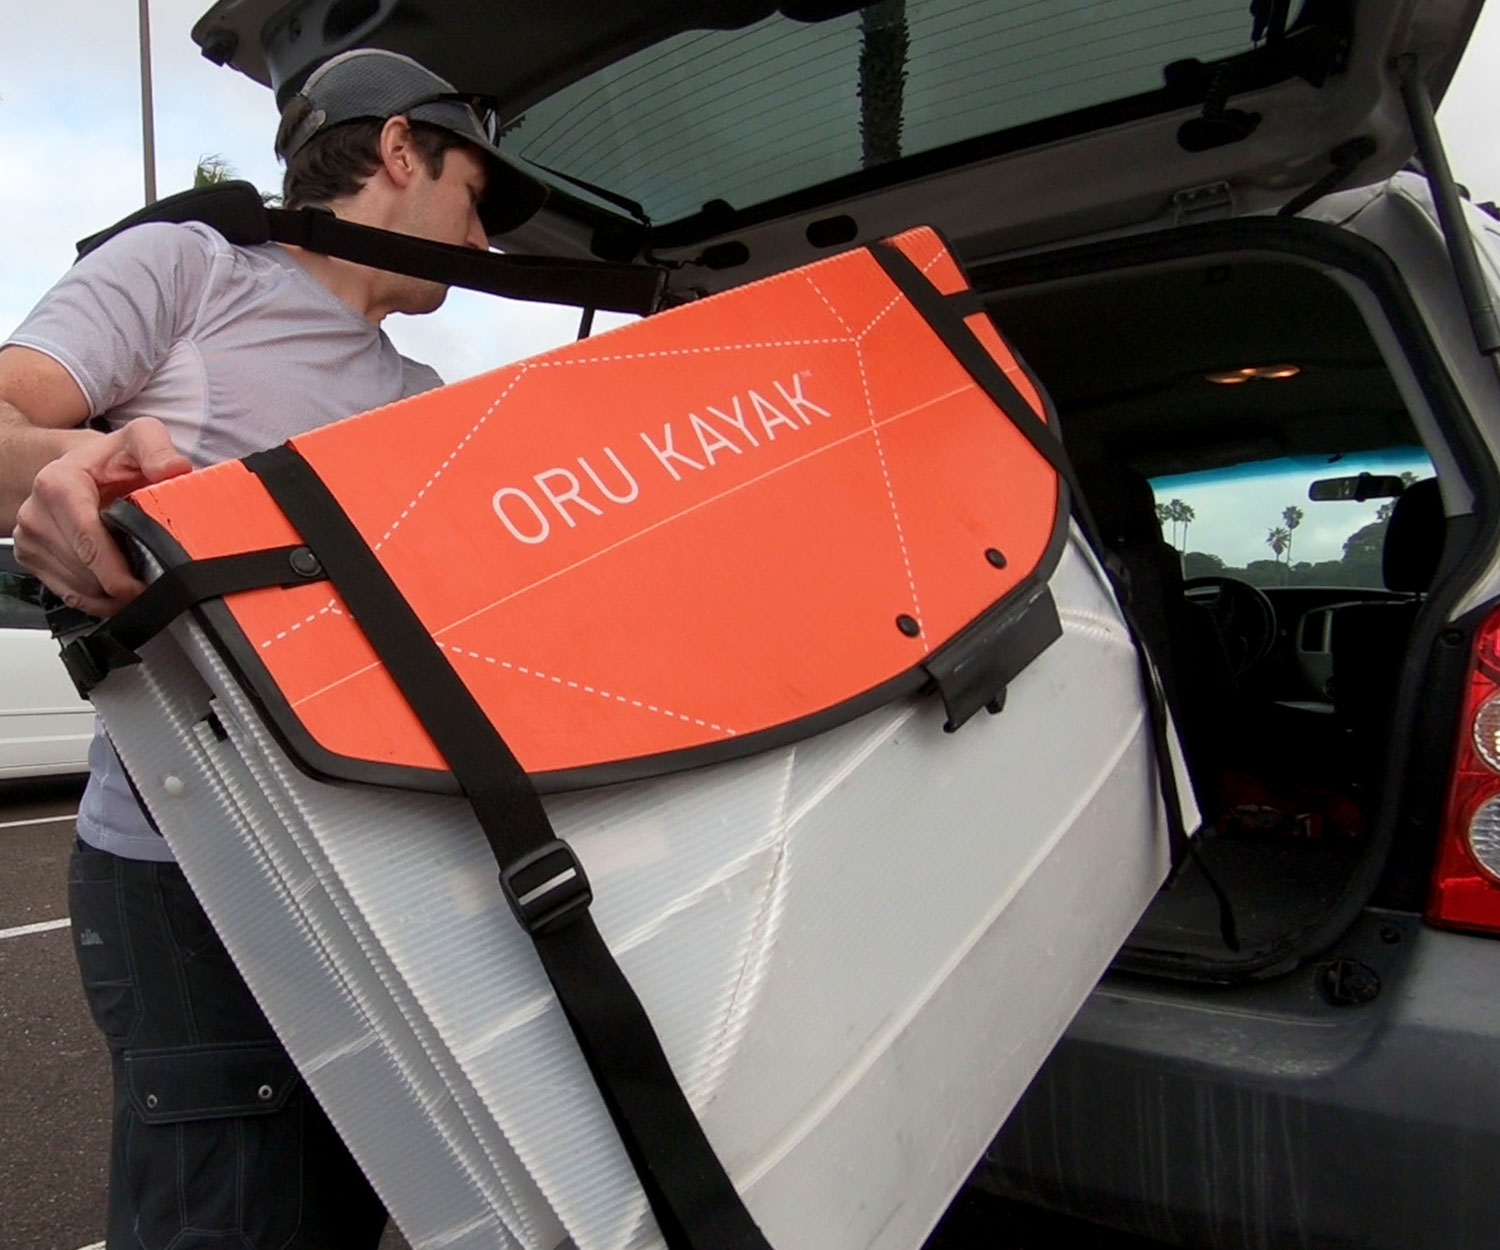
x: 398, y: 153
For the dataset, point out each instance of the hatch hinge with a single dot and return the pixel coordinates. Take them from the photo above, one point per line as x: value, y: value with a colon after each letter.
x: 1211, y: 202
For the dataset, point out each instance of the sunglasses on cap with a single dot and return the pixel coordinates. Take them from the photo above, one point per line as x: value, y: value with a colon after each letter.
x: 485, y: 110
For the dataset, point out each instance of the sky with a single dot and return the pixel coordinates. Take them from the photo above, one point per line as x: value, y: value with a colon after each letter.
x: 70, y: 126
x: 70, y: 129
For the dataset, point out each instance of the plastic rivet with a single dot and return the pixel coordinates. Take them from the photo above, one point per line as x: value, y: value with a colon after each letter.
x: 151, y: 1100
x: 996, y: 557
x: 264, y: 1093
x: 304, y: 563
x: 174, y: 785
x: 908, y: 625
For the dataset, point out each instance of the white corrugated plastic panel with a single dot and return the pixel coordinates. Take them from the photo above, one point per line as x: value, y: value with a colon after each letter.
x: 856, y: 949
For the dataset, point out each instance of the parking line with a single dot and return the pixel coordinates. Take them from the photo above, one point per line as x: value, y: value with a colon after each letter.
x: 38, y: 820
x: 45, y: 926
x: 93, y: 1245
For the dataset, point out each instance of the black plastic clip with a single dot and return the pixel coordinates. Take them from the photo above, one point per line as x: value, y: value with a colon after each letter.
x: 546, y: 888
x: 974, y: 669
x: 92, y: 658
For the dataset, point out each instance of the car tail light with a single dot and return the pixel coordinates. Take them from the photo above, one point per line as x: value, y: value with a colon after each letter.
x: 1466, y: 883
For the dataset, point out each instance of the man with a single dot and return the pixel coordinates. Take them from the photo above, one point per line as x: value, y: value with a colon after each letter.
x: 191, y: 351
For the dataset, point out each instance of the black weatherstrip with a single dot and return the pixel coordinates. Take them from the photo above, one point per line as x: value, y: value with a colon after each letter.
x: 692, y: 1197
x: 945, y: 316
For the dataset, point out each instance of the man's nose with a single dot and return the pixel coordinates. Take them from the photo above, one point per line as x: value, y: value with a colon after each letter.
x: 477, y: 237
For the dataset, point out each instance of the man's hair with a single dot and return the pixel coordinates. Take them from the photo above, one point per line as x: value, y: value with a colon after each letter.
x: 338, y: 162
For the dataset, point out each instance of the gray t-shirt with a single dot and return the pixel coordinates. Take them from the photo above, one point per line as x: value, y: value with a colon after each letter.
x: 233, y: 349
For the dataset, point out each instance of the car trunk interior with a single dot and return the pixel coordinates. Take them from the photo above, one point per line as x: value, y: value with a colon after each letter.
x: 1129, y: 357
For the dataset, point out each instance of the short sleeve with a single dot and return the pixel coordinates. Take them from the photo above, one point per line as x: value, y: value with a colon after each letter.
x: 112, y: 318
x: 417, y: 377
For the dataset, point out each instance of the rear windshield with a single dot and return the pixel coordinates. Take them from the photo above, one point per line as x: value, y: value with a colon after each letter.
x: 746, y: 116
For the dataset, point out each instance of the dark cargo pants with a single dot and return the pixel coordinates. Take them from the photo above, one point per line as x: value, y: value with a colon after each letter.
x: 216, y: 1142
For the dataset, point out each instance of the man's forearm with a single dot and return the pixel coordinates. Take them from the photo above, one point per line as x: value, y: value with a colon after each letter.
x: 24, y: 449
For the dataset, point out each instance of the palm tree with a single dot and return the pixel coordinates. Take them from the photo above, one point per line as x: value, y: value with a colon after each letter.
x: 884, y: 44
x: 1186, y: 516
x: 1292, y: 517
x: 1174, y: 513
x: 1278, y: 540
x: 212, y: 171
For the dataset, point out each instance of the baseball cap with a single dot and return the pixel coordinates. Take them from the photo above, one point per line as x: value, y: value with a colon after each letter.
x: 371, y: 82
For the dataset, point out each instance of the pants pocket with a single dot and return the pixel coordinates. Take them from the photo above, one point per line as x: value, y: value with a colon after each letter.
x: 189, y: 926
x: 213, y: 1147
x: 97, y: 911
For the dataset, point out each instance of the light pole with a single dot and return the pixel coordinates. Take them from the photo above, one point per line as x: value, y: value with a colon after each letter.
x: 148, y: 128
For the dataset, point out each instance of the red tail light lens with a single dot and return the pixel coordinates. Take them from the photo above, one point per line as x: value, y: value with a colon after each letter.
x: 1466, y: 882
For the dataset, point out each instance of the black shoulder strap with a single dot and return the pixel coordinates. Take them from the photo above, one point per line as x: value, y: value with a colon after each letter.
x: 91, y: 656
x: 692, y: 1197
x: 235, y: 210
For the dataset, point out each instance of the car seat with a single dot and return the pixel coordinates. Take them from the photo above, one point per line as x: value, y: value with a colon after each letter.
x: 1368, y: 641
x: 1196, y: 674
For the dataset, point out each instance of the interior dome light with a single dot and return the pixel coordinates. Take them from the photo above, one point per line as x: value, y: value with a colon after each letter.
x: 1253, y: 373
x: 1487, y: 732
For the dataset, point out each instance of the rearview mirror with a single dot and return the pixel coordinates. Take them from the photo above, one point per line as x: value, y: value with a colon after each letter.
x: 1365, y: 486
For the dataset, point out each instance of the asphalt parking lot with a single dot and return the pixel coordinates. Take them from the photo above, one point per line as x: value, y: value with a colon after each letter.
x: 54, y: 1072
x: 54, y: 1075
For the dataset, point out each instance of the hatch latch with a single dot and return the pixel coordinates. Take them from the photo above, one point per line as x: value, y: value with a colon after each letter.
x: 1210, y: 202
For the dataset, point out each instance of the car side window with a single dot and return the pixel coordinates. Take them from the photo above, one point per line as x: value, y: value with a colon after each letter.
x: 16, y: 613
x: 20, y: 607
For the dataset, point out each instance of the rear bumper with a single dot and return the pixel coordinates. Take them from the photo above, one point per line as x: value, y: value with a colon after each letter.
x: 1265, y: 1116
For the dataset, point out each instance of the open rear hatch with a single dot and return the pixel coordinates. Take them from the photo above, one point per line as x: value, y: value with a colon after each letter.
x: 733, y: 139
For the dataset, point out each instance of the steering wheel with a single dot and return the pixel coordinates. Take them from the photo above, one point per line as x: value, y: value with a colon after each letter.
x: 1242, y: 614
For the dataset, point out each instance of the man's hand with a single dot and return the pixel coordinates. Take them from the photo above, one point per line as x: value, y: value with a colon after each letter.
x: 59, y: 535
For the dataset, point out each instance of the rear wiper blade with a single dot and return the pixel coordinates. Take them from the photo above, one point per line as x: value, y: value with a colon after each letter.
x: 632, y: 207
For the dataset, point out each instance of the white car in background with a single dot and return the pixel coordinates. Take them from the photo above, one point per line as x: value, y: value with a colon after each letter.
x: 45, y: 728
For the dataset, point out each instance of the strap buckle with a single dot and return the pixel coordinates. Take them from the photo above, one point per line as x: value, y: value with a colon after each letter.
x: 546, y: 888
